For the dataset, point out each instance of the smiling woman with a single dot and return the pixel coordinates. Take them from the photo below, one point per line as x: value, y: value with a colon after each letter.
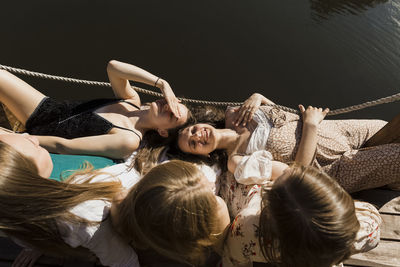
x: 105, y: 127
x: 334, y: 146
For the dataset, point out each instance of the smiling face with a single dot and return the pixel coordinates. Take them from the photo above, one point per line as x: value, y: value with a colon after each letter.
x: 198, y: 139
x: 163, y: 117
x: 29, y: 147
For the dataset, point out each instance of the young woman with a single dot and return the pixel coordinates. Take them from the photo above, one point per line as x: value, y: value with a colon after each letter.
x: 174, y: 211
x: 303, y: 218
x: 105, y: 127
x: 59, y: 217
x: 338, y: 143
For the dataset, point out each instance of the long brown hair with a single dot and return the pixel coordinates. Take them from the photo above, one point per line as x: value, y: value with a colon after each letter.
x: 307, y: 219
x: 171, y: 211
x: 31, y: 205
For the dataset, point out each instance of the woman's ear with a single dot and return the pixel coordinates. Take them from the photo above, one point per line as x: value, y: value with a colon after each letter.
x: 163, y: 132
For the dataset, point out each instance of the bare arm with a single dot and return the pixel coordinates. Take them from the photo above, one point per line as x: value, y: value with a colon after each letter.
x: 308, y: 143
x: 115, y: 146
x: 119, y: 74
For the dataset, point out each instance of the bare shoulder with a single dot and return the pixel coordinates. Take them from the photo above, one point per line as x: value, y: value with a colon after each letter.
x: 134, y: 100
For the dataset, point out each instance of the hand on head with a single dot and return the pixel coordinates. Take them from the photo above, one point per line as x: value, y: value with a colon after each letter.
x: 171, y: 99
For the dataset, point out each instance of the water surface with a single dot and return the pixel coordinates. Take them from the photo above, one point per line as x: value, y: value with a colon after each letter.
x: 331, y: 53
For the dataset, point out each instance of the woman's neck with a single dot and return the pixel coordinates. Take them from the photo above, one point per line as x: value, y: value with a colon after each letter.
x: 143, y: 122
x: 227, y: 139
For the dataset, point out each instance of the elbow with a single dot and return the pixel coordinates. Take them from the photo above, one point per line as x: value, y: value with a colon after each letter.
x: 126, y: 149
x: 112, y: 65
x: 62, y: 147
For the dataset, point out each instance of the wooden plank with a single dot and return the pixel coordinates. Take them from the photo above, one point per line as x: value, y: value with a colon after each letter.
x: 378, y: 196
x: 388, y: 134
x: 386, y: 254
x: 392, y: 206
x: 391, y: 227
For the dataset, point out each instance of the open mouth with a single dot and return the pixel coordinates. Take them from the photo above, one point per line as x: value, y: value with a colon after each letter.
x: 205, y: 134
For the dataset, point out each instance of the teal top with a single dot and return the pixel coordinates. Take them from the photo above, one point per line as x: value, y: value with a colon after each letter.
x: 62, y: 163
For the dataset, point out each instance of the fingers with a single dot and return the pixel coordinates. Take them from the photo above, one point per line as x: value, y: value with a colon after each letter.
x: 310, y: 108
x: 241, y: 114
x: 249, y: 116
x: 173, y: 106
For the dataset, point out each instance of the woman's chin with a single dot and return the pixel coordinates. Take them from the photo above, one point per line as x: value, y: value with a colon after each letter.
x: 154, y: 108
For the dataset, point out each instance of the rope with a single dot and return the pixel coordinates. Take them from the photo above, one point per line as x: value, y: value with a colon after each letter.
x: 383, y: 100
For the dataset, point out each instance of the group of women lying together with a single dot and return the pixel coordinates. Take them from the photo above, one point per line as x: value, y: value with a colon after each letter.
x: 281, y: 196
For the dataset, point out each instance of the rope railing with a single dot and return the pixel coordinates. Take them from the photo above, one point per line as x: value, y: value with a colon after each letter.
x: 383, y: 100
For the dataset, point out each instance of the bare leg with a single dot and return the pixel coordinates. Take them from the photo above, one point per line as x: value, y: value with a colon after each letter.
x: 19, y: 97
x: 388, y: 134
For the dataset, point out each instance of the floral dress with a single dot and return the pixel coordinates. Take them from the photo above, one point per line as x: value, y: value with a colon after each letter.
x: 339, y: 151
x: 242, y: 246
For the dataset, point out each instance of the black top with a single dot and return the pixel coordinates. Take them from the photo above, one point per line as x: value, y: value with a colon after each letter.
x: 72, y: 119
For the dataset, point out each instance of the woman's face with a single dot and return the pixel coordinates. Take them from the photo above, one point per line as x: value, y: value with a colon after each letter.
x: 29, y: 147
x: 163, y: 117
x: 198, y: 139
x: 222, y: 213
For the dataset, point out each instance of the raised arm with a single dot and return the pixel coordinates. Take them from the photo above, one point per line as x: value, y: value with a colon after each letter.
x: 108, y: 145
x: 312, y: 117
x: 119, y: 74
x: 246, y: 111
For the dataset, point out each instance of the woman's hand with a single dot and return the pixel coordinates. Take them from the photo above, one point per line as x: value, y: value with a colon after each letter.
x: 312, y: 115
x: 246, y: 111
x: 170, y: 97
x: 27, y: 257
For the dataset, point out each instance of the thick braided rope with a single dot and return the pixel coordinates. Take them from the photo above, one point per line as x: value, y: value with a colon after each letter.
x: 376, y: 102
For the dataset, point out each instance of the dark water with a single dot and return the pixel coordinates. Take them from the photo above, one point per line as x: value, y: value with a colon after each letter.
x: 321, y: 52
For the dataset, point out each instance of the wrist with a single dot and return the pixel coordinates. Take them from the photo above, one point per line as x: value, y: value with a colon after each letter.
x: 310, y: 125
x: 161, y: 84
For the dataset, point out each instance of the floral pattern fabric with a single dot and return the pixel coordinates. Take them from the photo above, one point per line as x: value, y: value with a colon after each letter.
x: 242, y: 245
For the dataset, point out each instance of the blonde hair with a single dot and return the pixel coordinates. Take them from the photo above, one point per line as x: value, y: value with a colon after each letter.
x: 171, y: 211
x: 31, y: 205
x: 307, y: 219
